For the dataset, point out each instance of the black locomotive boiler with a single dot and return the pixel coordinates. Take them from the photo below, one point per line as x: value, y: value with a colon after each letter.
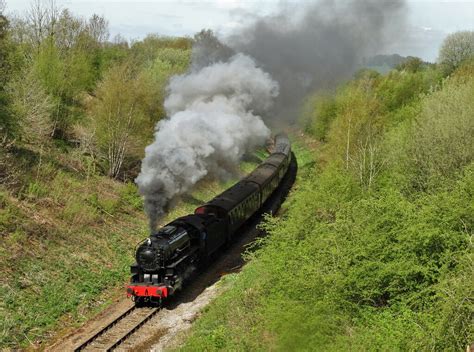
x: 169, y: 256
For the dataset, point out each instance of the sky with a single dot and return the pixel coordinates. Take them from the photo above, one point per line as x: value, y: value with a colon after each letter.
x: 429, y: 21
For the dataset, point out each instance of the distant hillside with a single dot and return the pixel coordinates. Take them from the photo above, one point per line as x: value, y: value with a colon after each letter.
x: 385, y: 63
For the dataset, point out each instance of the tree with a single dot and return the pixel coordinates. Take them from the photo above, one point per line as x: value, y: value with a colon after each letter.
x: 456, y: 48
x: 67, y: 64
x: 153, y: 45
x: 98, y: 28
x: 119, y: 115
x: 68, y: 31
x: 441, y: 143
x: 7, y: 123
x: 42, y: 18
x: 32, y: 107
x: 411, y: 64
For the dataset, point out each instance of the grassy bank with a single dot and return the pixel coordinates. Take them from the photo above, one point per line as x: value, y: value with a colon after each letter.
x: 67, y: 240
x: 374, y: 251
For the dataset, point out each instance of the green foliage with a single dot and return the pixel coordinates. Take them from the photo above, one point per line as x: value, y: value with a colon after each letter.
x: 65, y: 78
x: 374, y: 251
x: 166, y: 62
x: 62, y: 81
x: 317, y: 115
x: 442, y: 140
x: 32, y: 106
x: 345, y: 268
x: 177, y: 59
x: 130, y: 197
x: 456, y: 48
x: 152, y: 46
x: 400, y: 88
x: 357, y: 121
x: 412, y: 64
x: 128, y: 102
x: 120, y: 115
x: 358, y: 124
x: 8, y: 125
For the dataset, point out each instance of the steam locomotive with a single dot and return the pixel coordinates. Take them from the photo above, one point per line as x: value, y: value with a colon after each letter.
x: 168, y: 257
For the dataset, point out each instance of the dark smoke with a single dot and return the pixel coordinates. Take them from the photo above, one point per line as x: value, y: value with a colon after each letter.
x: 314, y: 46
x: 208, y: 49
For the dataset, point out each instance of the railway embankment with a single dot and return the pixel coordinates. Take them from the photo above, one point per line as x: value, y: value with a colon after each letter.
x: 68, y: 242
x: 374, y: 249
x: 117, y: 327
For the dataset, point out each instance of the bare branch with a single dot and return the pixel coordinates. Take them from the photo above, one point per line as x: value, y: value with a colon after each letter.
x: 42, y: 17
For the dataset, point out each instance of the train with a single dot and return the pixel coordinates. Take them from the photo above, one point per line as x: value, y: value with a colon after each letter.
x: 166, y: 259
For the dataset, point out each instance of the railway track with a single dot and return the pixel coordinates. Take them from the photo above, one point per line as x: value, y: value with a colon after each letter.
x: 118, y: 331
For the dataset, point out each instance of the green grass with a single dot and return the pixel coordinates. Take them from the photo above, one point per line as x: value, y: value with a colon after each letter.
x: 67, y: 242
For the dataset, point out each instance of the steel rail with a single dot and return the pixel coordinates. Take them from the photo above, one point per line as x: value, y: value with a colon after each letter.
x: 105, y: 329
x: 137, y: 326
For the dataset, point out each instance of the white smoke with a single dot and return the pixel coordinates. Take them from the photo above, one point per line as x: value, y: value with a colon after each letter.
x: 213, y: 121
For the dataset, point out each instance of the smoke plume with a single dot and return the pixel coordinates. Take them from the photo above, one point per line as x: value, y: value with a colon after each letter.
x: 314, y: 45
x: 215, y: 111
x: 213, y: 121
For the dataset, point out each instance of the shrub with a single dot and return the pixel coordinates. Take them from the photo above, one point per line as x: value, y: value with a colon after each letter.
x: 356, y: 129
x: 318, y: 112
x: 345, y: 268
x: 130, y: 197
x: 441, y: 138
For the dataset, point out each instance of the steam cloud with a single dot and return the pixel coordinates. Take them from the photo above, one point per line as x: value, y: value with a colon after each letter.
x: 315, y: 46
x: 213, y: 123
x: 310, y: 46
x: 214, y: 111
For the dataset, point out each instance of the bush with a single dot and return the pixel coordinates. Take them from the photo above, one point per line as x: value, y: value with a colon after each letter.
x: 118, y: 115
x: 370, y: 272
x: 318, y: 112
x: 441, y: 138
x: 130, y: 197
x: 363, y: 258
